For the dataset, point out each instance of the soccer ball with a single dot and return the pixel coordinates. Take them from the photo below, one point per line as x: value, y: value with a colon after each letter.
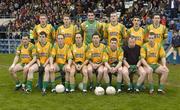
x: 110, y: 90
x: 60, y: 88
x: 99, y: 91
x: 80, y: 86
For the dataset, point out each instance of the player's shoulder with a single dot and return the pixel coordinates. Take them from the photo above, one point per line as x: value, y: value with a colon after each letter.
x: 163, y: 26
x: 83, y: 23
x: 49, y: 25
x: 145, y: 45
x: 20, y: 46
x: 121, y: 25
x: 102, y: 45
x: 67, y: 46
x: 140, y: 28
x: 125, y: 47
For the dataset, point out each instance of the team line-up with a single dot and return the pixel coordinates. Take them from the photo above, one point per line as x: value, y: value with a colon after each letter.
x: 71, y: 50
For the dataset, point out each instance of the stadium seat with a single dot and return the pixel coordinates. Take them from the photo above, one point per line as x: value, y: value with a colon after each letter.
x: 171, y: 61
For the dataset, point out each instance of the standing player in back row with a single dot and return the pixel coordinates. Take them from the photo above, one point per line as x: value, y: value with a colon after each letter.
x: 44, y: 26
x: 137, y: 32
x: 158, y: 29
x: 89, y: 27
x: 68, y: 30
x: 114, y: 29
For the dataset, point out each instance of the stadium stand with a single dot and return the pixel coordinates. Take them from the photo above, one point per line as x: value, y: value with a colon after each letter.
x: 26, y: 13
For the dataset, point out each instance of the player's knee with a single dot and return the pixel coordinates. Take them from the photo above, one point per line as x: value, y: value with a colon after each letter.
x: 105, y: 70
x: 125, y: 72
x: 89, y: 69
x: 84, y: 71
x: 166, y: 72
x: 120, y: 70
x: 31, y: 70
x: 47, y: 69
x: 100, y: 71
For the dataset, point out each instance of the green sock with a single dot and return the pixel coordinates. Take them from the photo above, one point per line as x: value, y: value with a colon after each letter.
x: 25, y: 81
x: 67, y: 84
x: 18, y: 82
x: 92, y: 84
x: 45, y: 84
x: 72, y: 86
x: 130, y: 85
x: 161, y: 86
x: 137, y: 86
x: 29, y: 85
x: 107, y: 84
x: 53, y: 85
x: 97, y: 84
x: 118, y: 85
x: 151, y: 86
x: 84, y: 86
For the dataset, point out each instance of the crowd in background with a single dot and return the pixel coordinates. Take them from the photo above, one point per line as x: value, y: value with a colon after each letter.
x: 26, y: 12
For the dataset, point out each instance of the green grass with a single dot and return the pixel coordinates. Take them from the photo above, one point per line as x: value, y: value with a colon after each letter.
x: 17, y: 100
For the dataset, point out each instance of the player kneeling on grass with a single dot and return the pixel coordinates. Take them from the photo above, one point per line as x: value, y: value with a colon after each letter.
x: 95, y: 56
x: 26, y: 54
x: 132, y: 64
x: 43, y: 49
x: 113, y: 62
x: 151, y: 52
x: 79, y: 50
x: 61, y: 54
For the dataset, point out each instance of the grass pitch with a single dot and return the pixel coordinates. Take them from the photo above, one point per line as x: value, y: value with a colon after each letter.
x: 17, y: 100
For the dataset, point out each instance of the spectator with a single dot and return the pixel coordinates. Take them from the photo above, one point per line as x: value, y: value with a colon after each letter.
x: 175, y: 46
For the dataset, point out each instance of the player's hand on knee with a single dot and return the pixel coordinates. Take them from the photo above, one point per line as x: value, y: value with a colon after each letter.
x: 11, y: 67
x: 113, y: 70
x: 150, y: 69
x: 26, y: 68
x: 68, y: 68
